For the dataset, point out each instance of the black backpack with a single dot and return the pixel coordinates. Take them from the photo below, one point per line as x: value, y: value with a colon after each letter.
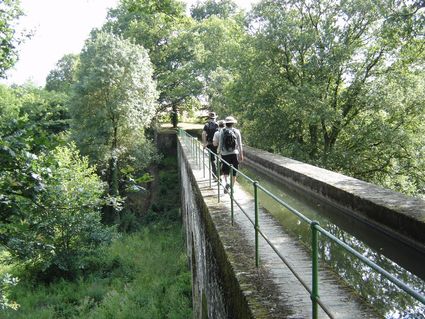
x: 211, y: 128
x: 229, y: 139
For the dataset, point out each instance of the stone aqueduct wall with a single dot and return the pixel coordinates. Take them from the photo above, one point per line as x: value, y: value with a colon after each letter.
x: 216, y: 289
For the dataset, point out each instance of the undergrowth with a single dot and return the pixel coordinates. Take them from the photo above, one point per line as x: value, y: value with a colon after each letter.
x: 140, y: 275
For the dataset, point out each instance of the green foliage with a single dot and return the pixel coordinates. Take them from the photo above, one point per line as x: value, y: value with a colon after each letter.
x: 39, y: 218
x: 32, y: 116
x: 114, y: 100
x: 216, y: 46
x: 155, y: 25
x: 114, y: 97
x: 311, y: 84
x: 6, y: 282
x: 164, y: 207
x: 142, y: 275
x: 9, y: 14
x: 62, y: 77
x: 54, y: 230
x: 387, y: 146
x: 31, y: 121
x: 149, y: 23
x: 221, y: 8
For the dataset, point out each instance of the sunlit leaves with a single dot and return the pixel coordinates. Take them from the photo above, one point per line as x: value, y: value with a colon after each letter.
x: 6, y: 282
x: 114, y: 98
x: 59, y: 224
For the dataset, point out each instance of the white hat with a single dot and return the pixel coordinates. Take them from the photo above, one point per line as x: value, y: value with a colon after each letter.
x: 230, y: 119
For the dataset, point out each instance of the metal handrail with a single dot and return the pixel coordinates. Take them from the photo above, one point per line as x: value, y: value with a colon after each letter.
x: 314, y: 226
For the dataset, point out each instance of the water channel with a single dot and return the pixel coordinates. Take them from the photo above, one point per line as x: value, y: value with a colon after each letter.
x: 399, y: 259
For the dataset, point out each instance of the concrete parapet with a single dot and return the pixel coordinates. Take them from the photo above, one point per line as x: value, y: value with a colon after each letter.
x: 396, y: 214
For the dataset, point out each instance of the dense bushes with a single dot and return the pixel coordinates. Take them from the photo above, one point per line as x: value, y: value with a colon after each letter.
x: 140, y: 275
x: 59, y: 226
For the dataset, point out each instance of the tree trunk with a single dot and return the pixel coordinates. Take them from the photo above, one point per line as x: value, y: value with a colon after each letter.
x: 313, y: 130
x: 112, y: 216
x: 174, y: 116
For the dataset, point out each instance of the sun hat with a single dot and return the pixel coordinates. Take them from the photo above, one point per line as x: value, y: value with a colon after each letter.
x: 212, y: 115
x: 230, y: 119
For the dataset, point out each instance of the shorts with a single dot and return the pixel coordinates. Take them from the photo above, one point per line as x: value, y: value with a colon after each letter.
x: 232, y: 159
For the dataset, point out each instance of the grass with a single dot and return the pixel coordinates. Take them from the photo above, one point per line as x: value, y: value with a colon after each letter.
x: 141, y: 275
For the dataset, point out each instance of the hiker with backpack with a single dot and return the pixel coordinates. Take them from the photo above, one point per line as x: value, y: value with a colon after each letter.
x: 207, y: 139
x: 230, y: 149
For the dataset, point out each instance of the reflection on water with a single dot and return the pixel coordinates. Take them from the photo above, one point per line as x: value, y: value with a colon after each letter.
x: 401, y: 261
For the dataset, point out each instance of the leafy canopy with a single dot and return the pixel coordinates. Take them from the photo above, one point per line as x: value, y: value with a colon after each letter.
x: 114, y: 98
x: 312, y: 76
x: 155, y: 26
x: 62, y: 77
x: 220, y: 8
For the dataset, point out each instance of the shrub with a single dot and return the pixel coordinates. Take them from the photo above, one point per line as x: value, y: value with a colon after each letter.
x: 55, y: 230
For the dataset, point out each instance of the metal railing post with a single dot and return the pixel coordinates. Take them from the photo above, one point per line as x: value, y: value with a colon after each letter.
x: 196, y: 151
x: 314, y: 269
x: 203, y: 161
x: 217, y: 176
x: 209, y: 166
x: 192, y: 147
x: 256, y: 222
x: 231, y: 192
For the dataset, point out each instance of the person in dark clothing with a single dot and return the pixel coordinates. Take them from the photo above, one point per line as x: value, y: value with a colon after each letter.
x: 207, y: 139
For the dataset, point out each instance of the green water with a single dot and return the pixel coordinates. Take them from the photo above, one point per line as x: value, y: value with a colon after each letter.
x: 402, y: 261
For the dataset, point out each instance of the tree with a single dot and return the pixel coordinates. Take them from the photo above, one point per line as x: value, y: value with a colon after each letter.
x: 195, y: 55
x: 54, y: 231
x: 49, y: 197
x: 62, y: 77
x: 388, y: 145
x: 216, y: 44
x: 31, y: 121
x: 222, y: 9
x: 114, y: 100
x: 9, y: 14
x: 309, y: 74
x: 154, y: 25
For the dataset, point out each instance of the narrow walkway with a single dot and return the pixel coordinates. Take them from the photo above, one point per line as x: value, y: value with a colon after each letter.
x: 290, y: 294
